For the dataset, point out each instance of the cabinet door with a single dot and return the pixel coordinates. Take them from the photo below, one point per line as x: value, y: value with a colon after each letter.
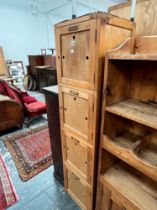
x: 76, y: 54
x: 78, y: 112
x: 78, y: 154
x: 78, y: 190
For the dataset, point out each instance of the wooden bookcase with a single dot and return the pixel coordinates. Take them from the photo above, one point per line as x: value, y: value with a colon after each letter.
x: 81, y: 44
x: 128, y: 149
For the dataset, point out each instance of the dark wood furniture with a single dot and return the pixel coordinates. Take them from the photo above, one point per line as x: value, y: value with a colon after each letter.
x: 46, y: 77
x: 50, y: 60
x: 51, y: 96
x: 11, y: 113
x: 35, y: 60
x: 42, y: 61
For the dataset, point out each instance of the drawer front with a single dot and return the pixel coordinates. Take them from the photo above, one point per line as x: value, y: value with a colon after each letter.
x: 78, y: 154
x: 78, y: 112
x: 76, y: 57
x: 78, y: 190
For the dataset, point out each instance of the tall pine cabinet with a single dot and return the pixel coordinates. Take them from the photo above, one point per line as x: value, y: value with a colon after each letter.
x: 81, y: 44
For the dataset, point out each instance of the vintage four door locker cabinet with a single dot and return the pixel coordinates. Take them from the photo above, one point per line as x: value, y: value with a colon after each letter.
x: 81, y: 44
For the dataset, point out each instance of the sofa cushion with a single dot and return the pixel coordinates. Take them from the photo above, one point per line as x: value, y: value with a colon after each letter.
x: 29, y: 99
x: 37, y: 106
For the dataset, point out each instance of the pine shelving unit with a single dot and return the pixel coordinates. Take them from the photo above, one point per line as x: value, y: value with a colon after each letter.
x: 128, y: 150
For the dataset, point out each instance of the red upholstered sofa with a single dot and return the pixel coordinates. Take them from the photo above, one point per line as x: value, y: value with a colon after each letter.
x: 31, y: 106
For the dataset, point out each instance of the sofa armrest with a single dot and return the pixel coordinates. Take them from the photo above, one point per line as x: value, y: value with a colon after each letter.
x: 11, y: 113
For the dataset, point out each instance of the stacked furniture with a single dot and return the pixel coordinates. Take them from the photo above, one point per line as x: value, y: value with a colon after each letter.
x: 128, y: 149
x: 35, y: 60
x: 39, y: 72
x: 81, y: 45
x: 46, y: 77
x: 40, y: 60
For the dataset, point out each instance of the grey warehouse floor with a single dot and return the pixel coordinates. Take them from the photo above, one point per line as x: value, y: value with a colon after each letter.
x: 42, y: 192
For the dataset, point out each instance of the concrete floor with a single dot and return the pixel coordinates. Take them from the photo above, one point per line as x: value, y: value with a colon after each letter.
x: 42, y: 192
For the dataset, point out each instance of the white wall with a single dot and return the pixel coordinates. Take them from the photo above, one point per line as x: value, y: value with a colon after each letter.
x: 22, y: 33
x: 65, y: 12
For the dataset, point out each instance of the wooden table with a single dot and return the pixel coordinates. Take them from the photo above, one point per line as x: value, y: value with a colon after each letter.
x: 51, y: 96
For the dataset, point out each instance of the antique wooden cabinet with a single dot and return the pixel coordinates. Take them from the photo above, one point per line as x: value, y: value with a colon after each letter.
x: 81, y: 44
x: 128, y: 148
x: 52, y: 103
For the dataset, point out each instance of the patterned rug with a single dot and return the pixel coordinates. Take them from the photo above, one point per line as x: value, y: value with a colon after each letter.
x: 31, y: 151
x: 7, y: 193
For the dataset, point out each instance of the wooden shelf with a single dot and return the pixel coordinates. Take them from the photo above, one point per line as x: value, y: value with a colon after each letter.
x: 125, y: 140
x: 148, y: 150
x: 141, y: 112
x: 140, y: 160
x: 122, y: 56
x: 134, y: 189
